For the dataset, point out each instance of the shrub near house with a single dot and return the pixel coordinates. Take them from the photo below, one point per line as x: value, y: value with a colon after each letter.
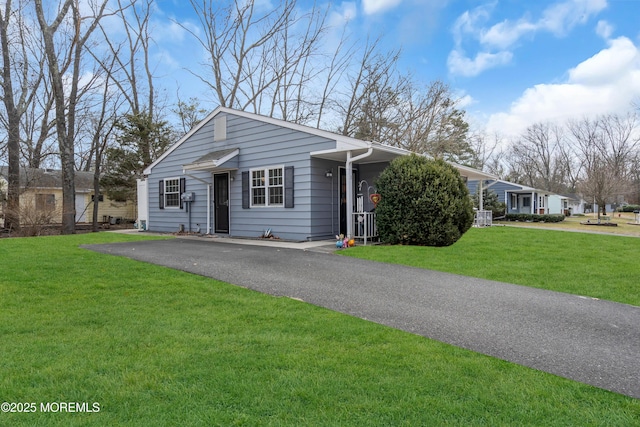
x: 423, y: 202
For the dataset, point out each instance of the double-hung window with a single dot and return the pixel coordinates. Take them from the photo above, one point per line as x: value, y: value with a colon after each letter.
x: 172, y: 193
x: 267, y: 186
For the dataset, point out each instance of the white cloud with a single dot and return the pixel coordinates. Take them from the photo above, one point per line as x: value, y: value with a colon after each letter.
x: 459, y: 64
x: 604, y: 29
x: 562, y: 17
x: 506, y: 34
x: 375, y: 6
x: 557, y: 19
x: 342, y: 14
x: 608, y: 82
x: 607, y: 65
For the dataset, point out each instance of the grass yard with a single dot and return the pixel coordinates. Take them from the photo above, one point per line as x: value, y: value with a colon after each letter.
x: 594, y: 265
x: 158, y: 347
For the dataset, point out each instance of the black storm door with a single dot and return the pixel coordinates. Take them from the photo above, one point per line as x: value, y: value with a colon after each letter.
x: 221, y: 202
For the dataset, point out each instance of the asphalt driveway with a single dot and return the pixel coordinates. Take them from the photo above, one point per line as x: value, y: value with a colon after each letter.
x: 584, y: 339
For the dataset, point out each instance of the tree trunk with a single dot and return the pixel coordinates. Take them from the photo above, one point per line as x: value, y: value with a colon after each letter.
x: 12, y: 213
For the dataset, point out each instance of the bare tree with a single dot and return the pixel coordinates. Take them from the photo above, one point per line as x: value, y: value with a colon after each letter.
x: 487, y: 152
x: 71, y: 52
x: 332, y: 75
x: 104, y: 123
x: 237, y: 39
x: 538, y: 153
x: 14, y: 112
x: 598, y: 182
x: 135, y: 84
x: 371, y: 93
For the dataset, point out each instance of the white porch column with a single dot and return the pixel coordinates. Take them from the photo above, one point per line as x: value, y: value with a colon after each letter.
x: 533, y: 203
x: 349, y: 184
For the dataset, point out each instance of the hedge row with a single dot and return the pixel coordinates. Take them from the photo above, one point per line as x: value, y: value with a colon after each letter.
x: 535, y: 217
x: 629, y: 208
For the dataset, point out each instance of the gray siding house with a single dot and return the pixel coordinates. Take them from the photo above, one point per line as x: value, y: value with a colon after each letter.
x: 521, y: 198
x: 240, y: 174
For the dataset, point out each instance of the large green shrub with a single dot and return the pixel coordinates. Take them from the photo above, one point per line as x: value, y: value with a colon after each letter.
x: 423, y: 202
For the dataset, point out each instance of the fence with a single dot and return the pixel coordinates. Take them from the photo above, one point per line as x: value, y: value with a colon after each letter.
x: 365, y: 227
x: 483, y: 219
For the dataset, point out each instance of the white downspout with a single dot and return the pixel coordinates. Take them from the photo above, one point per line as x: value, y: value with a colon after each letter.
x: 349, y: 185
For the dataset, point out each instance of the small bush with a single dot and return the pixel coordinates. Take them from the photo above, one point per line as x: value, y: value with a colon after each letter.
x: 535, y: 217
x: 423, y: 202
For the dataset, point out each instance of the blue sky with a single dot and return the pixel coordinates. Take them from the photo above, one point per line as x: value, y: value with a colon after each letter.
x: 513, y: 62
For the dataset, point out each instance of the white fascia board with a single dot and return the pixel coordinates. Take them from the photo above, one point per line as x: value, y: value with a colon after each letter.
x: 473, y: 174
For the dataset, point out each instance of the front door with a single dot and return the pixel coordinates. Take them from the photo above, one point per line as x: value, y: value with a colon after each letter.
x: 343, y: 196
x: 221, y: 202
x: 81, y: 209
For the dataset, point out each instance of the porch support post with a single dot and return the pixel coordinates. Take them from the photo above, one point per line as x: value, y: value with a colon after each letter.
x: 208, y: 208
x: 480, y: 198
x: 533, y: 203
x: 349, y: 184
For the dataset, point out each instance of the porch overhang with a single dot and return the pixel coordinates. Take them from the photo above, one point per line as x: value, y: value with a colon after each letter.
x: 380, y: 153
x: 384, y: 153
x: 215, y: 161
x: 473, y: 174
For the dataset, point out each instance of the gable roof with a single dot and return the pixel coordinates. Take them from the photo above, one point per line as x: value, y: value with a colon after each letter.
x: 49, y: 178
x: 344, y: 144
x: 521, y: 188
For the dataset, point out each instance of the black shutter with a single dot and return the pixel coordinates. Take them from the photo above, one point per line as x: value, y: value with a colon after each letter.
x: 245, y: 190
x: 161, y: 194
x: 288, y: 187
x: 183, y: 185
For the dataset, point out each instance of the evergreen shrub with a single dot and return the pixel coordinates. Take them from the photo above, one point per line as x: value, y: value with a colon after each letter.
x: 423, y: 202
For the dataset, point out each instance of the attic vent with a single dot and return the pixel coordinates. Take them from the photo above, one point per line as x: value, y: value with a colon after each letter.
x: 220, y: 128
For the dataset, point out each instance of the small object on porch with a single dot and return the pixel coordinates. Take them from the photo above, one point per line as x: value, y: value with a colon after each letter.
x: 344, y: 242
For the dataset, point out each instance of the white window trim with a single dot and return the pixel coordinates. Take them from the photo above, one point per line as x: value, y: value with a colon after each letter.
x: 266, y: 187
x: 165, y: 193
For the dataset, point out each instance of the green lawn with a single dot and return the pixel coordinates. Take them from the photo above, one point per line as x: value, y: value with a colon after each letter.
x: 158, y: 347
x: 594, y: 265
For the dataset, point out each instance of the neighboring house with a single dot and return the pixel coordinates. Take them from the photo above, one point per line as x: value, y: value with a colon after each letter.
x: 575, y: 204
x: 241, y: 174
x: 521, y: 198
x: 559, y: 204
x: 41, y: 197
